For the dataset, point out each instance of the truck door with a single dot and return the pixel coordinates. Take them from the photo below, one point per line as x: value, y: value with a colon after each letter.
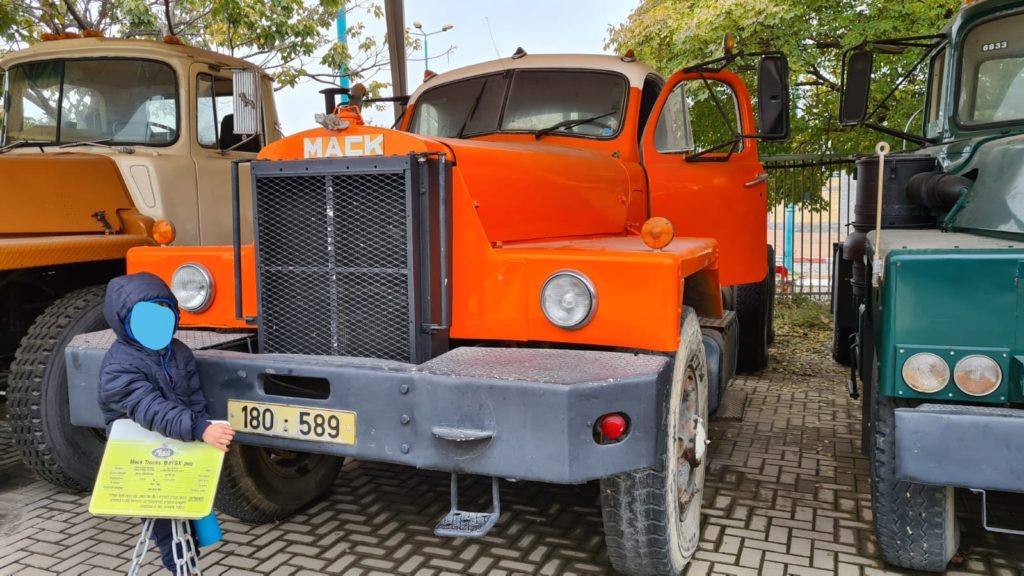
x: 212, y: 152
x: 704, y: 175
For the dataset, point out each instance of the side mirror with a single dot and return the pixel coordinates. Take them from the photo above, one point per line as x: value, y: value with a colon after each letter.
x: 773, y: 97
x: 246, y: 87
x: 853, y: 106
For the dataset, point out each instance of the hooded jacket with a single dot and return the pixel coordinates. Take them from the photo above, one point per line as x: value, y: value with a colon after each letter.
x: 157, y: 389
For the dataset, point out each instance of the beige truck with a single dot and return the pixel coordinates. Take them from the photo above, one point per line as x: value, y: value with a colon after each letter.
x: 100, y: 139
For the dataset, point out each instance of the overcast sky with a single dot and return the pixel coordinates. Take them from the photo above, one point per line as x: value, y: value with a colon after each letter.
x: 539, y: 26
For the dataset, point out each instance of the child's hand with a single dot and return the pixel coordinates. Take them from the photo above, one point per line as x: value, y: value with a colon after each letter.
x: 219, y: 436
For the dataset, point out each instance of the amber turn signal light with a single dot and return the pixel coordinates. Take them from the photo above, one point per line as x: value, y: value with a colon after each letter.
x: 163, y: 232
x: 657, y: 232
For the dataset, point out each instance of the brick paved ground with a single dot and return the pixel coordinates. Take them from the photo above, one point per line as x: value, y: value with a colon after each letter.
x: 787, y: 494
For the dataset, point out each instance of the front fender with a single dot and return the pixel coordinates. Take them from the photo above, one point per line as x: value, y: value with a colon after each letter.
x: 639, y: 290
x: 219, y: 262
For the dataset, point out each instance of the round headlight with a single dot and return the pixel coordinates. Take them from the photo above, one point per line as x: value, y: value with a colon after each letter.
x: 192, y: 285
x: 926, y: 373
x: 977, y: 375
x: 568, y: 299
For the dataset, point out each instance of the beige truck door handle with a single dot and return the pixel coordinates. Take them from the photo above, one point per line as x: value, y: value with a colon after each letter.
x: 757, y: 180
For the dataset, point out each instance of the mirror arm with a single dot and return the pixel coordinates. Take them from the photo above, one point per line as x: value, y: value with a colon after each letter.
x: 700, y: 156
x: 899, y: 134
x: 763, y: 54
x: 725, y: 61
x: 705, y: 66
x: 403, y: 100
x: 904, y: 42
x: 718, y: 105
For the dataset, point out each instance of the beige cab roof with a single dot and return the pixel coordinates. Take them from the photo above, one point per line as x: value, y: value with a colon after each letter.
x: 107, y: 47
x: 635, y: 71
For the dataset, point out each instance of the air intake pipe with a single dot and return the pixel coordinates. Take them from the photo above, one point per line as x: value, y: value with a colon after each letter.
x: 937, y: 190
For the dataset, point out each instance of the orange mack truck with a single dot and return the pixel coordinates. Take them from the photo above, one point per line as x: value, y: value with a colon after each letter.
x: 547, y: 273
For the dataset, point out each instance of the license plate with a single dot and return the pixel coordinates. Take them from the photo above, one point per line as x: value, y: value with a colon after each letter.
x: 299, y: 422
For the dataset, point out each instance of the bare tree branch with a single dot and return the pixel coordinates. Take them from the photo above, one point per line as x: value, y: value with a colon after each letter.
x: 169, y: 17
x: 813, y: 71
x: 75, y: 15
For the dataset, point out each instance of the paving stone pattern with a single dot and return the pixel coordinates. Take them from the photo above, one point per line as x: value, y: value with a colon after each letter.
x: 787, y: 494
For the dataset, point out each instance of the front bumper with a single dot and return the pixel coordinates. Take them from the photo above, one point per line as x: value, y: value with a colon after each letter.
x: 530, y: 412
x: 964, y: 446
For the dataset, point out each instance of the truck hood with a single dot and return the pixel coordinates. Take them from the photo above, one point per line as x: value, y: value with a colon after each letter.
x: 525, y: 191
x: 59, y: 194
x: 996, y: 200
x: 520, y: 190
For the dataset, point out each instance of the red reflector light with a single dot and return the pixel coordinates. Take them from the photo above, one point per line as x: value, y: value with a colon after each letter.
x: 612, y: 426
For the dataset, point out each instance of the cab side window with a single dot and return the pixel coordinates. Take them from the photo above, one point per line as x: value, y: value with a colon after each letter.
x: 936, y: 96
x: 714, y: 115
x: 672, y: 133
x: 214, y: 104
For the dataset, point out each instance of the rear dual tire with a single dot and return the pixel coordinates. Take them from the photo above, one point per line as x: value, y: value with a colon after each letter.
x: 841, y: 352
x: 755, y: 307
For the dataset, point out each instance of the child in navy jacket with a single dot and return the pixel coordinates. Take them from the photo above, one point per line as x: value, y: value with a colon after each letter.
x: 150, y: 377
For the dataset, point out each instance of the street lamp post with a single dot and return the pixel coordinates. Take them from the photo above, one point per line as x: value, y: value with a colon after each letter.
x: 419, y: 30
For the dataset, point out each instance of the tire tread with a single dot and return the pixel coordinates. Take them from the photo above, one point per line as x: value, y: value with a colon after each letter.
x: 633, y: 507
x: 29, y: 372
x: 910, y: 519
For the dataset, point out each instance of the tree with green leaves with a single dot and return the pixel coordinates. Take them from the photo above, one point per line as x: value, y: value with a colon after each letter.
x: 670, y: 34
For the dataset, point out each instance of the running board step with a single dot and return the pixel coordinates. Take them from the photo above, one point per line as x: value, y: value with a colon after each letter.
x: 984, y: 516
x: 462, y: 524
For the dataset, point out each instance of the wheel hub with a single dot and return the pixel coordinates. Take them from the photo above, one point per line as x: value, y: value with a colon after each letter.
x: 286, y: 463
x: 694, y: 453
x: 691, y: 440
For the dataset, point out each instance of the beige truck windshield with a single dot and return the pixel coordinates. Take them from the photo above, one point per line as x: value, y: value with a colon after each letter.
x: 116, y: 101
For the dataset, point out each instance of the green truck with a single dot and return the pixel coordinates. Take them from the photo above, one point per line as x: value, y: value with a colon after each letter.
x: 928, y: 300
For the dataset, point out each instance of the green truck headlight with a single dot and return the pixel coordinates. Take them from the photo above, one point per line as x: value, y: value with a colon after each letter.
x: 977, y: 375
x: 925, y: 373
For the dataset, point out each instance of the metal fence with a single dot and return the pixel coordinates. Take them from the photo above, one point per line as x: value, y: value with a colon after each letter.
x: 810, y: 208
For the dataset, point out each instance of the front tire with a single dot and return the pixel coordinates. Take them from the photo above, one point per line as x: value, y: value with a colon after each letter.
x: 915, y: 523
x: 39, y: 410
x: 652, y: 516
x: 259, y: 485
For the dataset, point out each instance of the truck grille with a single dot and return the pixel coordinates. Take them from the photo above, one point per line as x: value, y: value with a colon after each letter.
x: 334, y: 259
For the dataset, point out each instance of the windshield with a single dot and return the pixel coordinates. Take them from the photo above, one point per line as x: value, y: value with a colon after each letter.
x: 524, y: 101
x: 114, y: 101
x: 992, y: 74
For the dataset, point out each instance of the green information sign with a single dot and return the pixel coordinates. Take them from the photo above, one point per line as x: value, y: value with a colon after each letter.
x: 148, y: 475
